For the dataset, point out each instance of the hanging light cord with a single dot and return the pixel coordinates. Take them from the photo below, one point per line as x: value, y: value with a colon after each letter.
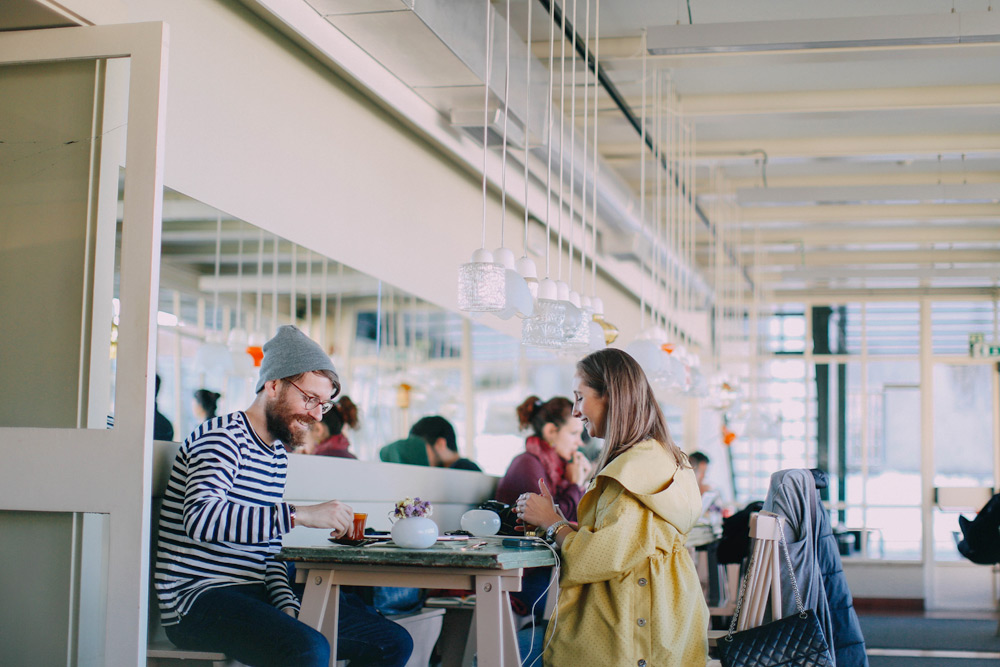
x: 572, y: 155
x: 486, y: 106
x: 503, y: 160
x: 583, y: 192
x: 260, y: 278
x: 527, y: 116
x: 642, y: 190
x: 218, y: 261
x: 597, y: 76
x: 562, y: 143
x: 548, y: 120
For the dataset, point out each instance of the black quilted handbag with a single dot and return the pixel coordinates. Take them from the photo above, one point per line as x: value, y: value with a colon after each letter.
x: 793, y: 641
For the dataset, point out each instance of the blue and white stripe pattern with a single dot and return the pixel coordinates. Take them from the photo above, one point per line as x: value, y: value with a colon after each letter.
x: 222, y: 517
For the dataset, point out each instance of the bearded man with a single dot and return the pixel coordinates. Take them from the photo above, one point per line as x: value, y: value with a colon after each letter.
x: 217, y: 581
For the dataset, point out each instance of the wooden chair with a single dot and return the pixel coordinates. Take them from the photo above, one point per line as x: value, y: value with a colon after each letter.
x: 764, y: 576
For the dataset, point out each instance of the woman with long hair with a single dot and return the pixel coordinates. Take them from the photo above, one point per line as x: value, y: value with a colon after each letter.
x: 630, y: 593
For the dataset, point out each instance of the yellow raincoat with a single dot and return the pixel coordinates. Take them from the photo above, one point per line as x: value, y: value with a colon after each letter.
x: 630, y: 593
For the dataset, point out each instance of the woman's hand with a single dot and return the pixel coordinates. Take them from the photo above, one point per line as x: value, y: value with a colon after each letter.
x: 578, y: 470
x: 538, y: 509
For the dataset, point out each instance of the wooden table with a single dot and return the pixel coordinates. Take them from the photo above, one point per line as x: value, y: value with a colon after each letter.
x: 492, y: 571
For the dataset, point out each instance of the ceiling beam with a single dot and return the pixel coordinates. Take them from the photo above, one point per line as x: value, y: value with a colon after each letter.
x: 898, y: 175
x: 862, y: 32
x: 815, y: 294
x: 839, y: 234
x: 984, y: 193
x: 870, y: 213
x: 948, y: 98
x: 845, y: 272
x: 856, y: 257
x: 819, y: 101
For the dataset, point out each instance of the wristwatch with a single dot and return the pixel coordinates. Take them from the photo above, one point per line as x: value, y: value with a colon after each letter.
x: 291, y: 514
x: 550, y: 533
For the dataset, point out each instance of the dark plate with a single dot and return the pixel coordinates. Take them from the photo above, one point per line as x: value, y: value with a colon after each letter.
x: 358, y: 543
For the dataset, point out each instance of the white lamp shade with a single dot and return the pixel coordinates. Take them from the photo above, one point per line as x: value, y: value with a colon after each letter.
x: 504, y: 257
x: 596, y: 335
x: 214, y: 359
x: 482, y: 285
x: 526, y: 267
x: 545, y: 328
x: 654, y: 333
x: 649, y: 356
x: 547, y: 290
x: 242, y: 364
x: 562, y: 290
x: 519, y: 300
x: 572, y: 318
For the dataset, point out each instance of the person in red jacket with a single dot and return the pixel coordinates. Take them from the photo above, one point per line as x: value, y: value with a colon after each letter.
x: 552, y: 452
x: 331, y: 438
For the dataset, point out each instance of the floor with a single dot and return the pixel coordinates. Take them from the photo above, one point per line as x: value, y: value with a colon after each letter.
x: 931, y: 639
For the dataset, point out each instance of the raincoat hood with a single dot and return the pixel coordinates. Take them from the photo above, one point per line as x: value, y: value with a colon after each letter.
x: 650, y: 473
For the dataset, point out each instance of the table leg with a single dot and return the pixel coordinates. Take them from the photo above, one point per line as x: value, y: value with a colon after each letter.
x: 489, y: 621
x: 511, y: 654
x: 496, y: 642
x: 318, y: 610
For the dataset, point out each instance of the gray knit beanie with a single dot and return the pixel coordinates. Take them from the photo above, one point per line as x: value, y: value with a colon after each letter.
x: 291, y: 353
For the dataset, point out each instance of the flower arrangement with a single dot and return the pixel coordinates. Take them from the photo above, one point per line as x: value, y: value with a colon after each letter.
x: 412, y: 507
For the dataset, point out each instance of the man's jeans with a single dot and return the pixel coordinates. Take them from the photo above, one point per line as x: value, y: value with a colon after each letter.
x: 241, y: 622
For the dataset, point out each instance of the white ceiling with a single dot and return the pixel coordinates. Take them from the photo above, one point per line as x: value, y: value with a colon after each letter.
x: 903, y: 116
x: 908, y: 115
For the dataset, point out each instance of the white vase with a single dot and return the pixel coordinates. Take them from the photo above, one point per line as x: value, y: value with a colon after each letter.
x: 417, y: 532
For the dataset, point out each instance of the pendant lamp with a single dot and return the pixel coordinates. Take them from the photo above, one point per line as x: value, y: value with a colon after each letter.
x: 482, y: 285
x: 517, y: 295
x: 609, y: 330
x: 594, y: 333
x: 545, y: 328
x: 257, y: 338
x: 213, y: 357
x: 238, y: 339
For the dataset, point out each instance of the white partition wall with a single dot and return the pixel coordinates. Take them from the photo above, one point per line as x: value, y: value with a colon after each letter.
x: 74, y: 493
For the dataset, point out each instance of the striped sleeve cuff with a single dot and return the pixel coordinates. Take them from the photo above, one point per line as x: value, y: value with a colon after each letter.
x: 284, y: 517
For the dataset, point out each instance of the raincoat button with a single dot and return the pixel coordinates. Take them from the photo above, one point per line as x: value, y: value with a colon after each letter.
x: 642, y: 663
x: 643, y: 582
x: 641, y: 622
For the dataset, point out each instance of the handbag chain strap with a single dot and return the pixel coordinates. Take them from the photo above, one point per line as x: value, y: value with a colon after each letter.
x: 743, y: 584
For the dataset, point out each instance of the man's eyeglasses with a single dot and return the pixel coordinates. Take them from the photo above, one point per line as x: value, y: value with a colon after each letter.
x: 312, y: 401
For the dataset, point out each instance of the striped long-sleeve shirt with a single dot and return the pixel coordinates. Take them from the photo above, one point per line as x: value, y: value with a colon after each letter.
x: 222, y: 517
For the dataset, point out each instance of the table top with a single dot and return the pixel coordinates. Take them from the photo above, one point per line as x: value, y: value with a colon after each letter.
x: 489, y: 556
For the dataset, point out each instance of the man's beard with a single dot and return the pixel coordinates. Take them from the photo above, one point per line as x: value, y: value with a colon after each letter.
x: 279, y: 422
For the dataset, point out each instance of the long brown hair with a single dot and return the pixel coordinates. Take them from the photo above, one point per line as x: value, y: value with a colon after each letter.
x: 633, y: 414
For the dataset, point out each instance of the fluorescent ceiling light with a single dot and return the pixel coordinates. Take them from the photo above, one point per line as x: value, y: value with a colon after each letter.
x: 835, y: 33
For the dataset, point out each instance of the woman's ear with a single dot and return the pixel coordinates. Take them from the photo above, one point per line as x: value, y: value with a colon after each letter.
x: 549, y: 432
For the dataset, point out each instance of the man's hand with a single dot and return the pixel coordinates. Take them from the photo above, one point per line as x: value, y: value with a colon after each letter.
x: 578, y: 469
x: 331, y: 514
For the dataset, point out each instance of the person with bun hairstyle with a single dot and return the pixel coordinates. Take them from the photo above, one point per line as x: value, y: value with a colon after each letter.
x: 551, y: 453
x: 629, y: 591
x: 330, y: 429
x: 205, y: 404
